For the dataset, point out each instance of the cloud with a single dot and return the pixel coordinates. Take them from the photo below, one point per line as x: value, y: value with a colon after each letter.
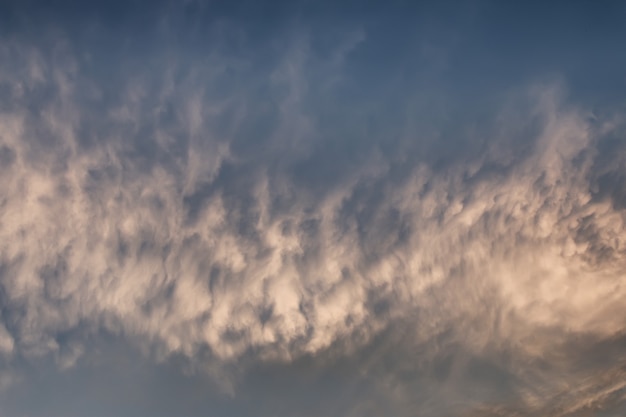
x: 202, y: 209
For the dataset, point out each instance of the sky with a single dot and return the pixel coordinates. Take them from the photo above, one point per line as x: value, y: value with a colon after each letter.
x: 312, y: 208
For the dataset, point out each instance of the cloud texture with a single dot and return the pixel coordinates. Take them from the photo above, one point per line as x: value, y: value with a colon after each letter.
x: 255, y: 205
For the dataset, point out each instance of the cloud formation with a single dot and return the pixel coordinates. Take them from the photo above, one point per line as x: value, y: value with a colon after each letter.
x: 239, y: 209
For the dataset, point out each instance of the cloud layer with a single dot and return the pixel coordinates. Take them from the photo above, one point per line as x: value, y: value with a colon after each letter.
x: 252, y: 205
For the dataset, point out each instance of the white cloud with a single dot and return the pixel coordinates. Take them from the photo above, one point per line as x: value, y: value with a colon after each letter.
x: 91, y: 236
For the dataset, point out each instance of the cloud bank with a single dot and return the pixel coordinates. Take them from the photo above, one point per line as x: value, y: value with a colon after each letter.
x: 253, y: 206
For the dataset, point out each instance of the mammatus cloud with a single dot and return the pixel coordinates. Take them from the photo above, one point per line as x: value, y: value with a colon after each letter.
x: 179, y: 217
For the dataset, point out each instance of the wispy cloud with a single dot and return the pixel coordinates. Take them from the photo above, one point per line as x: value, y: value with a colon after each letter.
x: 216, y: 207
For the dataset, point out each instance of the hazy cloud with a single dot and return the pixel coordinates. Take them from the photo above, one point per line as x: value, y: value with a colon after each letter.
x: 255, y: 216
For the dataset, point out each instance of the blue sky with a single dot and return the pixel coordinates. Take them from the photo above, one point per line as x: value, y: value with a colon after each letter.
x: 312, y: 208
